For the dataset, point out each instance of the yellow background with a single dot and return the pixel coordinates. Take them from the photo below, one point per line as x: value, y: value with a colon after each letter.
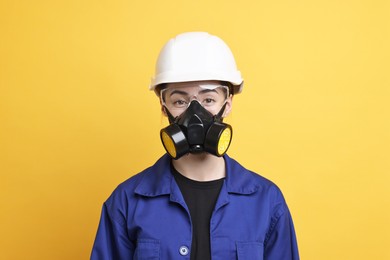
x: 77, y: 117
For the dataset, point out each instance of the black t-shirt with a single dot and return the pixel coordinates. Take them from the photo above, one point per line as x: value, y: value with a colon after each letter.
x: 200, y: 198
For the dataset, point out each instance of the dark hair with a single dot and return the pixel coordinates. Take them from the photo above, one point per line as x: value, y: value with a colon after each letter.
x: 229, y: 85
x: 160, y: 87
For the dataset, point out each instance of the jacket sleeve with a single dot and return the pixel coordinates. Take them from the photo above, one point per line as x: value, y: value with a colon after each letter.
x: 281, y: 242
x: 112, y: 241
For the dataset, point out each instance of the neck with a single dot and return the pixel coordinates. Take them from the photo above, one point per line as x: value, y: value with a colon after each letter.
x: 201, y: 167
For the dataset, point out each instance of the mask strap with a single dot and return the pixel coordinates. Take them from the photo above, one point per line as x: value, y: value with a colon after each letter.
x: 220, y: 113
x: 171, y: 118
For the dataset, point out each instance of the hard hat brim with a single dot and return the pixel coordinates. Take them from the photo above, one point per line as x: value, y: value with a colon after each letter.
x: 163, y: 78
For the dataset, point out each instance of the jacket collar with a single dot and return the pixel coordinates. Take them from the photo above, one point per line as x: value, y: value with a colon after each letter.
x: 158, y: 179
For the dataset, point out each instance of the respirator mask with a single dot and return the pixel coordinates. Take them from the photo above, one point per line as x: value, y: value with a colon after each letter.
x: 199, y: 127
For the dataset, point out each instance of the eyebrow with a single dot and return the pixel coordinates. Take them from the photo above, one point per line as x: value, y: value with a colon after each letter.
x: 208, y: 90
x: 181, y: 92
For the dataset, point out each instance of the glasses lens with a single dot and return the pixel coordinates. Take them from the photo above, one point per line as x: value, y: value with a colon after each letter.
x: 211, y: 97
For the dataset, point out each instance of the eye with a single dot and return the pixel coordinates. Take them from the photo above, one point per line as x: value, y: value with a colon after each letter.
x: 208, y: 101
x: 180, y: 103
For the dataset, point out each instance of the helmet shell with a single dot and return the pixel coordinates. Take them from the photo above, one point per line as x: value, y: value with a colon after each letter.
x: 196, y: 56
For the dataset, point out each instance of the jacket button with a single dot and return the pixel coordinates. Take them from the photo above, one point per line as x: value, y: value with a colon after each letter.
x: 183, y: 250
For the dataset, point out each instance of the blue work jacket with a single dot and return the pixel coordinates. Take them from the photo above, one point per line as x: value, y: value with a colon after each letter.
x: 146, y: 218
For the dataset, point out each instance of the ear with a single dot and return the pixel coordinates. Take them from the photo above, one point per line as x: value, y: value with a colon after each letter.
x: 228, y: 108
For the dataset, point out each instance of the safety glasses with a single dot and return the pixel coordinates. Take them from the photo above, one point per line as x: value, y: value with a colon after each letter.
x: 211, y: 96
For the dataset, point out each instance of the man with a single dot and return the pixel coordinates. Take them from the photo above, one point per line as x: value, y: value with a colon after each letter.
x: 196, y: 202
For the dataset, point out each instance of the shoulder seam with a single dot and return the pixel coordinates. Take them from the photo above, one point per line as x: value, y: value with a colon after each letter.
x: 112, y: 218
x: 274, y: 221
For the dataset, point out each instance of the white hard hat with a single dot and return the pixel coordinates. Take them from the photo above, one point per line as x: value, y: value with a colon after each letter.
x: 196, y: 56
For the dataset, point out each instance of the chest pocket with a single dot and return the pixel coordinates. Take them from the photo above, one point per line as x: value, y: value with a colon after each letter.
x: 250, y: 250
x: 147, y: 249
